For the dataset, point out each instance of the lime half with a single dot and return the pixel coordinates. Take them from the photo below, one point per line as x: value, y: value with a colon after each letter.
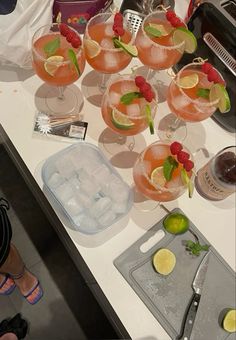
x: 120, y: 121
x: 229, y: 322
x: 188, y: 82
x: 52, y: 64
x: 183, y: 34
x: 92, y: 48
x: 157, y: 177
x: 164, y: 261
x: 176, y: 223
x: 218, y: 91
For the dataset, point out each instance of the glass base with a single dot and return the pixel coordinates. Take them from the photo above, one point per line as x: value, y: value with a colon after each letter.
x: 61, y: 105
x: 168, y: 129
x: 142, y: 203
x: 114, y: 143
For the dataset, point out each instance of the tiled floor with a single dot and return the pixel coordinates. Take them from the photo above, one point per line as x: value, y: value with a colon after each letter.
x: 68, y: 310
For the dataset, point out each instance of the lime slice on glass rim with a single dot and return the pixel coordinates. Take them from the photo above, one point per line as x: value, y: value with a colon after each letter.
x: 157, y: 177
x: 92, y: 48
x: 164, y: 261
x: 120, y: 121
x: 188, y: 82
x: 218, y: 91
x: 130, y: 49
x: 229, y: 322
x: 52, y: 64
x: 183, y: 34
x: 188, y: 182
x: 164, y: 30
x: 176, y: 223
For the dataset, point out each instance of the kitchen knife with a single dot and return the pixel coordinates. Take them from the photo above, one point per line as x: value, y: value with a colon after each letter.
x: 193, y: 306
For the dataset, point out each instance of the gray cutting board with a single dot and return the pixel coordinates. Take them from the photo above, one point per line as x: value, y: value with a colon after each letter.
x: 168, y: 297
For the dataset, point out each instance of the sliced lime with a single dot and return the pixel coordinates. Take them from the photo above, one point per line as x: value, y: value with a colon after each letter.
x: 164, y: 261
x: 130, y: 49
x: 176, y: 223
x: 229, y: 322
x: 188, y: 82
x: 149, y: 118
x: 187, y: 181
x: 52, y: 64
x: 183, y: 34
x: 92, y: 48
x: 164, y: 30
x: 218, y: 91
x: 157, y: 177
x: 120, y: 121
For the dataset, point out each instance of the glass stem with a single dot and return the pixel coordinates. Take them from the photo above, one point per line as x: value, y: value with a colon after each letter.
x: 61, y: 93
x: 172, y: 128
x: 103, y: 82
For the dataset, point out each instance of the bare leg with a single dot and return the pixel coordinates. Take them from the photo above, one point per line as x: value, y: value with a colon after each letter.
x: 15, y: 266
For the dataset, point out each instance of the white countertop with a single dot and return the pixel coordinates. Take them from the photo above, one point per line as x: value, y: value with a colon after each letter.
x: 215, y: 220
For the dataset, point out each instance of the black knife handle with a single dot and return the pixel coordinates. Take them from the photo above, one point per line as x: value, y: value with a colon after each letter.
x: 189, y: 318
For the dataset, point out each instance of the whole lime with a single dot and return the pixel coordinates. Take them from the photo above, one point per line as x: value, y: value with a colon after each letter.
x: 176, y: 223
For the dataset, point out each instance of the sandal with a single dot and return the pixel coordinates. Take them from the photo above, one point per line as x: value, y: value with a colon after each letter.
x: 35, y: 294
x: 16, y: 325
x: 7, y: 282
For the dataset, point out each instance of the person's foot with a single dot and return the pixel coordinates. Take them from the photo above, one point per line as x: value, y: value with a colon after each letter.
x: 29, y: 286
x: 8, y: 336
x: 7, y: 285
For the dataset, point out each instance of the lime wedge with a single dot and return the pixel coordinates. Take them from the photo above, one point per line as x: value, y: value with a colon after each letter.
x: 52, y: 64
x: 92, y: 48
x: 183, y: 34
x: 120, y: 121
x: 130, y: 49
x: 218, y: 91
x: 157, y: 177
x: 176, y: 223
x: 188, y: 82
x: 149, y: 119
x: 164, y: 261
x: 187, y: 181
x: 164, y: 30
x: 229, y: 322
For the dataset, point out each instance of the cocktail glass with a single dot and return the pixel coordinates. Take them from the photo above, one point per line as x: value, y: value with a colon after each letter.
x: 158, y: 53
x: 149, y: 178
x: 186, y: 104
x: 54, y: 59
x: 100, y: 52
x: 125, y: 120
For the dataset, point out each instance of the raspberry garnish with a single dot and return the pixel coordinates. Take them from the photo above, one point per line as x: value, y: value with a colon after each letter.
x: 70, y: 36
x: 118, y: 18
x: 76, y: 42
x: 145, y: 87
x: 175, y: 22
x: 188, y: 165
x: 206, y: 67
x: 175, y: 148
x: 118, y: 25
x: 182, y: 156
x: 170, y: 14
x: 212, y: 75
x: 148, y: 95
x: 64, y: 29
x: 118, y: 30
x: 139, y: 81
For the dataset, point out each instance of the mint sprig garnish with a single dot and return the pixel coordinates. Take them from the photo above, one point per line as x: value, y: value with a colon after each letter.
x: 73, y: 59
x: 195, y: 248
x: 204, y: 93
x: 152, y: 31
x: 169, y: 165
x: 51, y: 47
x: 127, y: 98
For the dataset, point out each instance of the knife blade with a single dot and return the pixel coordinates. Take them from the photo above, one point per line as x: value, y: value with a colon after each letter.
x: 197, y: 286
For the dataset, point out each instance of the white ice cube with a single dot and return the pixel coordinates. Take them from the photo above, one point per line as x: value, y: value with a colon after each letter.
x: 157, y: 55
x: 106, y: 184
x: 84, y: 200
x: 101, y: 174
x: 128, y: 86
x: 114, y: 98
x: 119, y: 208
x: 180, y: 102
x: 159, y: 152
x: 111, y: 60
x: 100, y: 206
x: 64, y: 192
x: 133, y: 110
x: 65, y: 166
x: 107, y: 218
x: 86, y: 223
x: 74, y: 182
x: 90, y: 188
x: 109, y: 30
x: 174, y: 183
x: 143, y: 41
x: 107, y: 43
x: 55, y: 180
x: 73, y: 207
x: 118, y: 192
